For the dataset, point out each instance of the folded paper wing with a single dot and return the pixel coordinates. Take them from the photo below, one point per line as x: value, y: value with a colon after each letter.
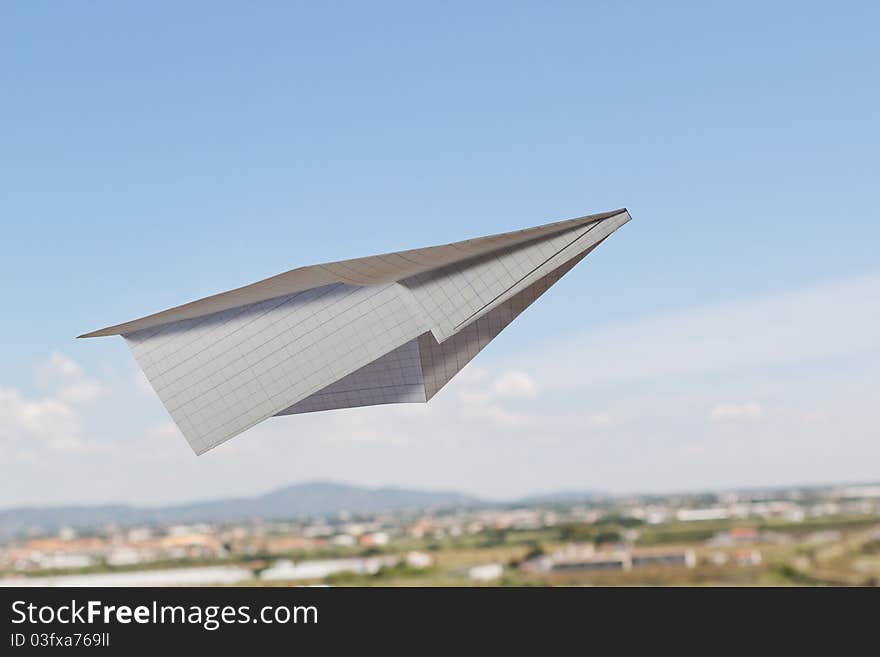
x: 384, y: 329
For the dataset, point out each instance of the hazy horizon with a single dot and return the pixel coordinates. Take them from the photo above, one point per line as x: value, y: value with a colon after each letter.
x: 487, y: 499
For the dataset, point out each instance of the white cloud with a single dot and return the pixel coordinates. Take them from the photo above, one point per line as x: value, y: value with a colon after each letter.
x: 501, y: 417
x: 825, y: 323
x: 485, y: 398
x: 163, y: 432
x: 515, y: 385
x: 67, y: 379
x: 601, y: 420
x: 60, y: 365
x: 746, y: 410
x: 50, y: 421
x: 81, y: 391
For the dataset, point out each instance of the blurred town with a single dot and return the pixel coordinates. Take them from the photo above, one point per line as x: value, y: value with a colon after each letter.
x: 797, y: 536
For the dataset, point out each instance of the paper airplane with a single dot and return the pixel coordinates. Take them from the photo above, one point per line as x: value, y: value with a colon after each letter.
x: 383, y: 329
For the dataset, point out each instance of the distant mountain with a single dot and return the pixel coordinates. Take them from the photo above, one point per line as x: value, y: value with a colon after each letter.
x: 562, y: 497
x: 297, y: 501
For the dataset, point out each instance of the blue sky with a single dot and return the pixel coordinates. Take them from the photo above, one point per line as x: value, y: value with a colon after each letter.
x: 153, y: 154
